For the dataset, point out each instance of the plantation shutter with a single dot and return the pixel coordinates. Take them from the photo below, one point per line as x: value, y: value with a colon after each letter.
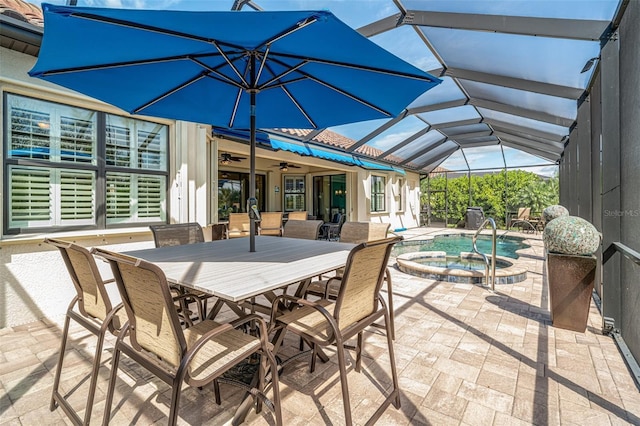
x: 76, y: 140
x: 118, y: 197
x: 30, y: 190
x: 77, y: 196
x: 151, y: 190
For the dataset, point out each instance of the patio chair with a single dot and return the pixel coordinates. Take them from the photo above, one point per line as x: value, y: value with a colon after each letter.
x: 331, y: 230
x: 92, y: 309
x: 355, y: 233
x: 197, y: 355
x: 358, y: 305
x: 297, y: 215
x: 306, y: 229
x: 215, y: 232
x: 177, y: 234
x: 523, y: 215
x: 270, y: 223
x: 239, y: 225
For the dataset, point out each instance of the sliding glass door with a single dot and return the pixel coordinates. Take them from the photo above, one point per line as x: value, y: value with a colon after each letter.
x: 329, y: 196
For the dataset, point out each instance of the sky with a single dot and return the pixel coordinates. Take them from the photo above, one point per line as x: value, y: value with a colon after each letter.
x: 403, y: 42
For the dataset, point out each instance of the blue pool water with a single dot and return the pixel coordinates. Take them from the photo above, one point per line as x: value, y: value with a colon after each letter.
x: 455, y: 243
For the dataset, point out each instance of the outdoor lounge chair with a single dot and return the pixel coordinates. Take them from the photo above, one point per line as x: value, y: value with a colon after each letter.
x: 358, y: 305
x: 92, y: 309
x: 270, y: 223
x: 239, y: 225
x: 197, y: 355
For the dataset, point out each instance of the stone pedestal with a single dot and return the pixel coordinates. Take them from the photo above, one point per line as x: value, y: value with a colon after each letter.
x: 570, y: 286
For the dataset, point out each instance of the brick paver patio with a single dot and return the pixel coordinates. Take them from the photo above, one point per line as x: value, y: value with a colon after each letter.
x: 465, y: 356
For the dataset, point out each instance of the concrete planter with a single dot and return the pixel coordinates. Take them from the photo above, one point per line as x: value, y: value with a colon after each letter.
x: 571, y: 280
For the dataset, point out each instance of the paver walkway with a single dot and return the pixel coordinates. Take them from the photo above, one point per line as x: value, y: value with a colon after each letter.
x: 465, y: 356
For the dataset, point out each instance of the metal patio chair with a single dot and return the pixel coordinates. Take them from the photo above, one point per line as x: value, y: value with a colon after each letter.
x: 270, y: 224
x: 355, y: 233
x: 306, y: 229
x: 358, y: 305
x: 92, y: 309
x: 197, y: 355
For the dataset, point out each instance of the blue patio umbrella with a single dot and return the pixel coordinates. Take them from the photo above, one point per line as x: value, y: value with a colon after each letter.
x: 241, y: 70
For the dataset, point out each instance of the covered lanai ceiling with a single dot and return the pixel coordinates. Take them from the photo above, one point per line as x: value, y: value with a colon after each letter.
x: 514, y: 74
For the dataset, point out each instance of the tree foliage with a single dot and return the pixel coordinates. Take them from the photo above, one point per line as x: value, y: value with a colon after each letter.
x: 497, y: 194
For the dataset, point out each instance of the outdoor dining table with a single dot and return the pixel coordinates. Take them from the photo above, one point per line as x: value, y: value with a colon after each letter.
x: 227, y: 269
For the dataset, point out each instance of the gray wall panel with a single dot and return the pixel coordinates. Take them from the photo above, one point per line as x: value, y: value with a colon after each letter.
x: 630, y: 172
x: 583, y: 163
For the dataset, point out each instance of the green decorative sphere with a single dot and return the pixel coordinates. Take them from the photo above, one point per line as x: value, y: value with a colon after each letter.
x: 553, y: 212
x: 571, y: 235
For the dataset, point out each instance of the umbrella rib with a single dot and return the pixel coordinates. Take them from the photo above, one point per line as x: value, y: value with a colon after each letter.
x: 221, y: 77
x: 355, y: 66
x: 231, y: 64
x: 169, y: 93
x: 268, y: 84
x: 235, y: 108
x: 123, y: 64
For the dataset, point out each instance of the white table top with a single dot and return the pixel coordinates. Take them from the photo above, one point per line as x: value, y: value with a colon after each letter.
x: 226, y: 268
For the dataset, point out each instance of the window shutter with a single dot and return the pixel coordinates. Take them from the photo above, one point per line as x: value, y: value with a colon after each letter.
x: 77, y: 196
x: 76, y: 140
x: 118, y: 146
x: 30, y: 134
x: 30, y: 190
x: 151, y: 194
x: 149, y: 150
x: 118, y: 197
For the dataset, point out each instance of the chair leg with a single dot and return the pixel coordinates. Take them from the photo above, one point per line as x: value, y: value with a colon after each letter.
x: 359, y: 353
x: 342, y: 363
x: 392, y: 361
x: 56, y: 380
x: 175, y: 400
x: 314, y: 355
x: 112, y: 385
x: 275, y: 384
x: 94, y: 374
x: 216, y: 391
x: 392, y: 326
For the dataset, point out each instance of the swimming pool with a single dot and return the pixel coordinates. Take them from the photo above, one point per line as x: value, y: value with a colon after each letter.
x: 454, y: 244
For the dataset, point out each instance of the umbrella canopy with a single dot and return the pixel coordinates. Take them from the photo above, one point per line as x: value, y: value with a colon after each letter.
x: 242, y: 70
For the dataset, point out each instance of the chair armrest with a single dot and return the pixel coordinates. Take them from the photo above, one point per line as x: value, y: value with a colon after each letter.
x: 304, y: 302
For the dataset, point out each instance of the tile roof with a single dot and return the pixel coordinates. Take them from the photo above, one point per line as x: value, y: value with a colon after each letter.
x: 23, y: 11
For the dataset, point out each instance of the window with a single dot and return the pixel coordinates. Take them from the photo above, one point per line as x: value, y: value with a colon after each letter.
x: 378, y: 184
x: 55, y: 176
x: 294, y: 193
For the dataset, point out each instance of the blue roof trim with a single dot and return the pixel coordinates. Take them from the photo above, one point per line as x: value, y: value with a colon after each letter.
x: 307, y: 150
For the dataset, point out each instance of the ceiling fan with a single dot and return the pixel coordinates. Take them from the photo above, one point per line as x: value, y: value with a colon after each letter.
x: 284, y: 166
x: 226, y: 158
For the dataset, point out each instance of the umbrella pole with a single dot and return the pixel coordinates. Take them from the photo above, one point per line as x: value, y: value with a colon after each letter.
x: 252, y: 156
